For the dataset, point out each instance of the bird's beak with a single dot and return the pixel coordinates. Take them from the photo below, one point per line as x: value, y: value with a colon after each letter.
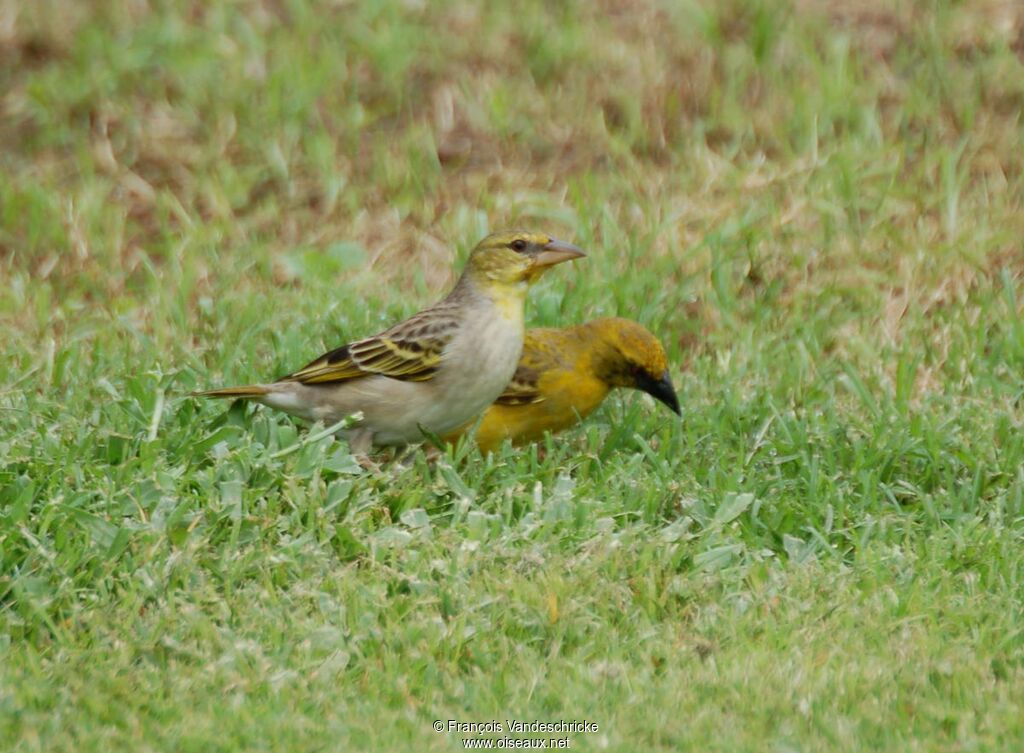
x: 555, y: 252
x: 660, y: 389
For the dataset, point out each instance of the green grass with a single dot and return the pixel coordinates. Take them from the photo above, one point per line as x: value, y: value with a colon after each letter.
x: 819, y: 210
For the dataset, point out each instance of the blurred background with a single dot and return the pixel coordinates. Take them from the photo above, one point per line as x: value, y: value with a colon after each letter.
x: 712, y: 156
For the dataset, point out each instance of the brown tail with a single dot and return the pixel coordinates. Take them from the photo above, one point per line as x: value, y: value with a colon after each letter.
x: 251, y: 390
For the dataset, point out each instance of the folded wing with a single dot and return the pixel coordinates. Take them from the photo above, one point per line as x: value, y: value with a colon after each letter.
x: 524, y: 388
x: 410, y: 351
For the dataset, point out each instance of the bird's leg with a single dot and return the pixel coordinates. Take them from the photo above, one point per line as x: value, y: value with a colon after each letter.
x: 360, y: 442
x: 432, y: 453
x: 406, y: 458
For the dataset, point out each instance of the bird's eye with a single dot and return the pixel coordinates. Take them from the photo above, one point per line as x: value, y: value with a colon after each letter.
x: 518, y: 245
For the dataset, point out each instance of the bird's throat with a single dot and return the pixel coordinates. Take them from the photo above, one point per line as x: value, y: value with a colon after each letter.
x: 508, y: 301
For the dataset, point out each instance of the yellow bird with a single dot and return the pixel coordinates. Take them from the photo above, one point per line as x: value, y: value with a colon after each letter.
x: 432, y: 372
x: 565, y: 374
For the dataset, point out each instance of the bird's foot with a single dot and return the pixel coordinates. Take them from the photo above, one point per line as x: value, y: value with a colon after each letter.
x: 432, y: 453
x: 367, y: 463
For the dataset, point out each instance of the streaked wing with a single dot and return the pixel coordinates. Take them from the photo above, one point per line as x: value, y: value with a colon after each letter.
x: 545, y: 352
x: 524, y: 388
x: 410, y: 351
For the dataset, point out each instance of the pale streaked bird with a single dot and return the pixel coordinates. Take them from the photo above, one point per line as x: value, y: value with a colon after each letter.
x: 434, y: 371
x: 564, y: 375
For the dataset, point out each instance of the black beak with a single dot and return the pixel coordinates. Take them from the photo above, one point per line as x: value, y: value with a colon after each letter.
x: 660, y: 389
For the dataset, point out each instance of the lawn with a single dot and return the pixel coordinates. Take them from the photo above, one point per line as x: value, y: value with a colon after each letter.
x: 816, y: 205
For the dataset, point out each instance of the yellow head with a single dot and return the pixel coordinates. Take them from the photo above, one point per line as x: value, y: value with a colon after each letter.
x: 628, y: 355
x: 515, y: 256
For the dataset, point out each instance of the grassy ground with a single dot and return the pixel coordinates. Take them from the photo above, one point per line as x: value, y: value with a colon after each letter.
x: 818, y: 207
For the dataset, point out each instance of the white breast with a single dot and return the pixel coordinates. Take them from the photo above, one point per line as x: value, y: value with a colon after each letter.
x: 476, y: 367
x: 491, y: 353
